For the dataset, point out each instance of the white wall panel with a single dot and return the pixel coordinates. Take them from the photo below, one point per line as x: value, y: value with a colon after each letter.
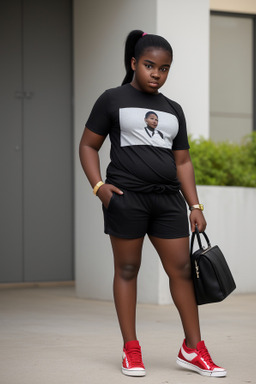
x: 100, y: 29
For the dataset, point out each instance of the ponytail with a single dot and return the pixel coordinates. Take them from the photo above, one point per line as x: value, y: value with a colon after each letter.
x: 136, y: 43
x: 130, y: 44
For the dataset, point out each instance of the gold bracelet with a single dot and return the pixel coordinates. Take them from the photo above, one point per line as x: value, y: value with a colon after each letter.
x: 97, y: 187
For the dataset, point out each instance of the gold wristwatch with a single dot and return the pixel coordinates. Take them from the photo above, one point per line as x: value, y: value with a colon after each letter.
x: 197, y: 206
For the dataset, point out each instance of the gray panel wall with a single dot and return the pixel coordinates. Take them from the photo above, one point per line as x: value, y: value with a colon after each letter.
x: 231, y: 77
x: 41, y: 135
x: 11, y: 242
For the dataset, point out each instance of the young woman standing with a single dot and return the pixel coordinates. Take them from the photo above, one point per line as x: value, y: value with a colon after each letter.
x: 145, y: 191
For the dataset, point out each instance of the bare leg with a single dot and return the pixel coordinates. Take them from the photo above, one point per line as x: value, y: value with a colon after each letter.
x: 127, y: 260
x: 174, y: 254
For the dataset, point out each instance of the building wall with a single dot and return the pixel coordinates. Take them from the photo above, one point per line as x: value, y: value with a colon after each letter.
x: 231, y: 221
x: 185, y: 24
x: 230, y: 118
x: 230, y: 225
x: 238, y: 6
x: 100, y: 29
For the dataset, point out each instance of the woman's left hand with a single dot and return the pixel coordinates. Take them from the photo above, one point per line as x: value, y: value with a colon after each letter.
x: 197, y: 219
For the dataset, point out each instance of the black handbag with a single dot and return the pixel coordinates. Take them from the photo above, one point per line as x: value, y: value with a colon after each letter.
x: 211, y: 275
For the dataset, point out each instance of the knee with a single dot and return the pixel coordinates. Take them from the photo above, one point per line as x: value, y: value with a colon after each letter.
x: 128, y: 271
x: 182, y: 271
x: 187, y: 270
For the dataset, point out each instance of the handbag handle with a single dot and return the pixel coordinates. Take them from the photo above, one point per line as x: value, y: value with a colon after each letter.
x: 197, y: 234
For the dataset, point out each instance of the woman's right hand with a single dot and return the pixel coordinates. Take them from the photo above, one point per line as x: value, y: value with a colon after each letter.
x: 105, y: 193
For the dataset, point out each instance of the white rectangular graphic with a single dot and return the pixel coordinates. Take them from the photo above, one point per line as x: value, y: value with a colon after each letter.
x: 141, y: 126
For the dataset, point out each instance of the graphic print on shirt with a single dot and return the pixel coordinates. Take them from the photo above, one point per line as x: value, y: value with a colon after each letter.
x: 141, y: 126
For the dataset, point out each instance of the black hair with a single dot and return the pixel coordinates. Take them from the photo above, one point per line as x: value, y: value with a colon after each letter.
x: 136, y: 43
x: 150, y: 113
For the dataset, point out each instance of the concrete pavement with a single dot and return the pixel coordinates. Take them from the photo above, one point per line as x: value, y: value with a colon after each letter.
x: 48, y: 335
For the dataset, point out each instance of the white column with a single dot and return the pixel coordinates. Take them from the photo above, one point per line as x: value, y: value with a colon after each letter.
x: 100, y: 29
x: 185, y: 24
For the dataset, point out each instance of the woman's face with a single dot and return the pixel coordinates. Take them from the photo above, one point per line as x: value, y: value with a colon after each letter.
x: 151, y: 70
x: 152, y: 121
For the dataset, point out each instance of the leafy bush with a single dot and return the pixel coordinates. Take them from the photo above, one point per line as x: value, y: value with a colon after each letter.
x: 224, y: 163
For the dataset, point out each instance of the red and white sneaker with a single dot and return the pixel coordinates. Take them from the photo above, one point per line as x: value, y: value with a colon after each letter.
x: 132, y: 364
x: 199, y: 360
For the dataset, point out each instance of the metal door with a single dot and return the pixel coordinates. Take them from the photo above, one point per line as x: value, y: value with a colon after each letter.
x: 36, y: 134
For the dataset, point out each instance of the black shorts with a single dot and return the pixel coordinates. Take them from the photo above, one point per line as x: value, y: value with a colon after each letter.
x: 135, y: 214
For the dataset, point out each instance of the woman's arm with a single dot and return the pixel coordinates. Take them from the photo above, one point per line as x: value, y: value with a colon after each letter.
x: 185, y: 174
x: 89, y: 147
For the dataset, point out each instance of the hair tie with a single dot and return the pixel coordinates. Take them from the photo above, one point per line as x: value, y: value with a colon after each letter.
x: 144, y: 34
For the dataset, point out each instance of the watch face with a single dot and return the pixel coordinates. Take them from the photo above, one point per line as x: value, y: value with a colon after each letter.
x: 197, y: 206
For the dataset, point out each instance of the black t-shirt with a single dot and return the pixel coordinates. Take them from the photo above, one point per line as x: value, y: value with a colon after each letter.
x: 141, y: 154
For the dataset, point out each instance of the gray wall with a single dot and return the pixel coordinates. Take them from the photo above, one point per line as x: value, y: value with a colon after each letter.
x: 231, y: 77
x: 36, y: 220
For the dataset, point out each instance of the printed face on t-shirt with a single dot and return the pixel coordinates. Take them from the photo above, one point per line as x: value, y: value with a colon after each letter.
x: 151, y: 120
x: 139, y: 127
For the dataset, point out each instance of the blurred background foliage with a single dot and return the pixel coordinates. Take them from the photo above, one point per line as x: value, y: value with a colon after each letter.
x: 224, y: 163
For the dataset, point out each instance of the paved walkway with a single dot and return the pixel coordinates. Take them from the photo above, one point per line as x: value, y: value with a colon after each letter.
x: 49, y: 336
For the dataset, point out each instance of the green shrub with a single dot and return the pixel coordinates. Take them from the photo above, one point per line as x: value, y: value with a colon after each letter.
x: 224, y: 163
